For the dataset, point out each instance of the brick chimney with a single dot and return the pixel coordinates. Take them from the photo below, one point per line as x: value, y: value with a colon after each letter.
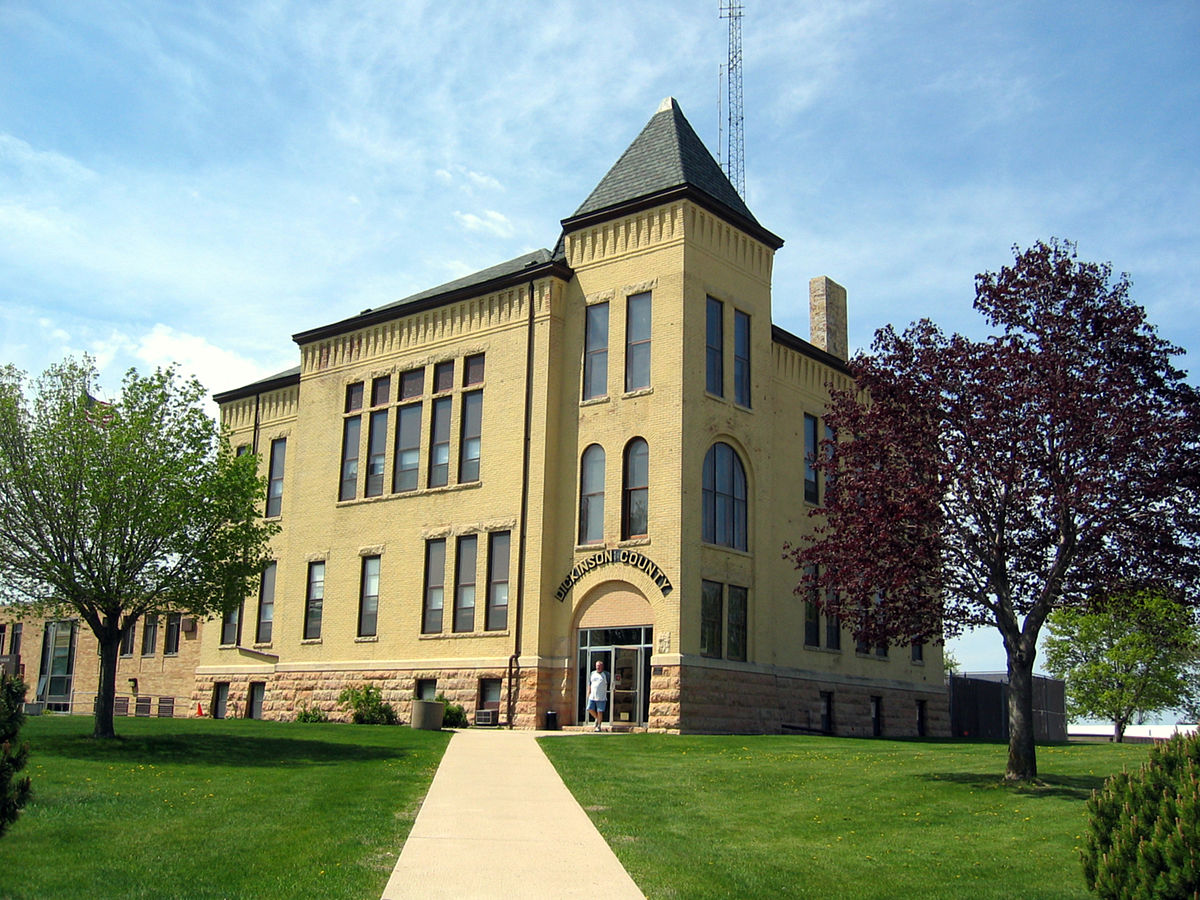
x: 827, y: 316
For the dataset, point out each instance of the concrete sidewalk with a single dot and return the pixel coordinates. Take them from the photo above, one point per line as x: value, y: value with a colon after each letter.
x: 499, y: 822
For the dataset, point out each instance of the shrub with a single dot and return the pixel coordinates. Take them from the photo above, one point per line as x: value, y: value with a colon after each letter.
x: 310, y: 715
x: 1143, y: 837
x: 367, y: 706
x: 14, y: 791
x: 455, y: 716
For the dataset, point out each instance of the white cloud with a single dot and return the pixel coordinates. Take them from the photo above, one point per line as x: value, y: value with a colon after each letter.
x: 215, y: 367
x: 491, y: 222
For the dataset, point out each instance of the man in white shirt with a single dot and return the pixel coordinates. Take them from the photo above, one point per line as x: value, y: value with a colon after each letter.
x: 598, y: 693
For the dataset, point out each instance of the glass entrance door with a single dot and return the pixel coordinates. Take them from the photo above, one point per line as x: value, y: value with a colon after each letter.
x: 627, y: 686
x: 589, y: 658
x: 626, y: 654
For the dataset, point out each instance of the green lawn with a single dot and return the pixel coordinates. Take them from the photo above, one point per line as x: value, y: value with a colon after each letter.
x: 204, y: 808
x: 700, y: 816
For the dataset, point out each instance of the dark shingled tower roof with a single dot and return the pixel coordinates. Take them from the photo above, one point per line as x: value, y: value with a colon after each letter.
x: 668, y: 157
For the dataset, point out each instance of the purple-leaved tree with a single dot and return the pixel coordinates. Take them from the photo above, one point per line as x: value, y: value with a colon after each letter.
x: 988, y: 483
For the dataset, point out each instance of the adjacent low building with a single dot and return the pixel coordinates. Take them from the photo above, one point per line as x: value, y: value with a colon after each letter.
x: 59, y: 661
x: 591, y: 452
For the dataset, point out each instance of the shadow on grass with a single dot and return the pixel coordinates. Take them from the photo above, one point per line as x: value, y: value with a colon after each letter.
x: 1067, y: 787
x: 213, y: 750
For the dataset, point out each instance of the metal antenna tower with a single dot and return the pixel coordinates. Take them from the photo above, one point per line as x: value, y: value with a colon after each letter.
x: 735, y: 154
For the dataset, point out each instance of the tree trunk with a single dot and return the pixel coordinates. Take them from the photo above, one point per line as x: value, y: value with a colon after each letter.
x: 1118, y: 731
x: 110, y: 648
x: 1022, y: 754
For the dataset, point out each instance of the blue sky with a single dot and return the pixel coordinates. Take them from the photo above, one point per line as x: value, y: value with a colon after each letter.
x: 195, y: 182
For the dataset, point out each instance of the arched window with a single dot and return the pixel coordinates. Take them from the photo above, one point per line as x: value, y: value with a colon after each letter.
x: 636, y: 488
x: 724, y: 519
x: 591, y: 495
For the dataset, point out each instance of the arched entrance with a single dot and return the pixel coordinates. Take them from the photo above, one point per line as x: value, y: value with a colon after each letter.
x: 616, y: 625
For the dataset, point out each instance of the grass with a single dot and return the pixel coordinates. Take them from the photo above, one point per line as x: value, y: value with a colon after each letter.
x: 203, y: 808
x: 704, y: 816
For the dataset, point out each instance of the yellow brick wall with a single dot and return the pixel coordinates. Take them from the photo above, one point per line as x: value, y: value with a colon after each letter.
x: 682, y: 254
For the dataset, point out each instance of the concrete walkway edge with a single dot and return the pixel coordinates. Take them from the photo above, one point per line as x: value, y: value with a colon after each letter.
x: 499, y: 822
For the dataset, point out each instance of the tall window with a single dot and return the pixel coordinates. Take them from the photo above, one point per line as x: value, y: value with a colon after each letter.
x: 724, y: 498
x: 275, y: 478
x: 918, y: 651
x: 595, y: 351
x: 368, y: 597
x: 473, y: 370
x: 591, y: 495
x: 833, y: 631
x: 443, y: 377
x: 635, y: 489
x: 351, y: 431
x: 150, y: 636
x: 314, y: 601
x: 171, y: 640
x: 266, y: 605
x: 464, y: 583
x: 381, y: 390
x: 435, y: 586
x: 714, y: 362
x: 231, y: 626
x: 408, y: 448
x: 469, y: 444
x: 412, y: 383
x: 810, y: 458
x: 127, y: 638
x: 829, y: 473
x: 710, y: 619
x: 439, y: 443
x: 497, y: 601
x: 812, y: 621
x: 637, y: 342
x: 735, y: 644
x: 741, y: 358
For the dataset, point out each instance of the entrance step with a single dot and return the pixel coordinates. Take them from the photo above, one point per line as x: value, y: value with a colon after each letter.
x: 614, y: 728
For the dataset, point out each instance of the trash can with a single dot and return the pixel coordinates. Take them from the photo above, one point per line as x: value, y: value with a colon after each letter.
x: 552, y: 720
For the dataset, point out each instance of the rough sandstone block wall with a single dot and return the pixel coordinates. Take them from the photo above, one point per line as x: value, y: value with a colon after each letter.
x: 725, y: 700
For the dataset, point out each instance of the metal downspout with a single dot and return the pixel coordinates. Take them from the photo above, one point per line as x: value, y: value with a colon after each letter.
x: 513, y: 661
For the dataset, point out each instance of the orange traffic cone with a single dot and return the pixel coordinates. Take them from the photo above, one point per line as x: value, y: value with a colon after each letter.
x: 199, y: 710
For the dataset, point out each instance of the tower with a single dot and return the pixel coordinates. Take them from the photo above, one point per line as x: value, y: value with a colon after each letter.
x: 735, y: 161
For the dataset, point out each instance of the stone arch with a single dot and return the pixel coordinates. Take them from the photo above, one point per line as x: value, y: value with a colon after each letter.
x: 610, y: 604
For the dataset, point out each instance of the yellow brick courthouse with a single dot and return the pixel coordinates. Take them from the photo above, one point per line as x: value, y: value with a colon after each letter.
x: 591, y: 452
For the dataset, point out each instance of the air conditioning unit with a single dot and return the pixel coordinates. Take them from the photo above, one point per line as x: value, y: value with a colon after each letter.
x: 487, y: 717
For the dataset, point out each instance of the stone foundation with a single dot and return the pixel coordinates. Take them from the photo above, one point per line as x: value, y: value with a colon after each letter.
x: 696, y: 699
x: 734, y: 701
x: 286, y: 693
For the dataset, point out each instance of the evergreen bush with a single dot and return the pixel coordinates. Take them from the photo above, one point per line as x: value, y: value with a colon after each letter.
x: 455, y: 716
x: 14, y: 791
x: 1143, y: 837
x: 367, y: 706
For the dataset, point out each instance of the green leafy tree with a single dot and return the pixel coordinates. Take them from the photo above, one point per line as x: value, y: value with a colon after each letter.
x: 117, y: 511
x: 14, y: 791
x: 1136, y: 655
